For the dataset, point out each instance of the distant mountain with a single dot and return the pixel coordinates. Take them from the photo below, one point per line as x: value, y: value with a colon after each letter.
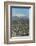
x: 24, y: 17
x: 21, y: 17
x: 15, y: 18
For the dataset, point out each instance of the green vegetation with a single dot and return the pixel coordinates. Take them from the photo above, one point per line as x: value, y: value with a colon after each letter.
x: 20, y: 27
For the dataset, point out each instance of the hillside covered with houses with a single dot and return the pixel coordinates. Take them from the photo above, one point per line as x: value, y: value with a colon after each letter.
x: 20, y: 26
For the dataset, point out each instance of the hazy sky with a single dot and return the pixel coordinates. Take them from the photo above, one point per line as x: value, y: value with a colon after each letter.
x: 20, y: 11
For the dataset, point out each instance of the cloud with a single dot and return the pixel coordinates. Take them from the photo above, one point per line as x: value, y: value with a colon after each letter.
x: 20, y: 15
